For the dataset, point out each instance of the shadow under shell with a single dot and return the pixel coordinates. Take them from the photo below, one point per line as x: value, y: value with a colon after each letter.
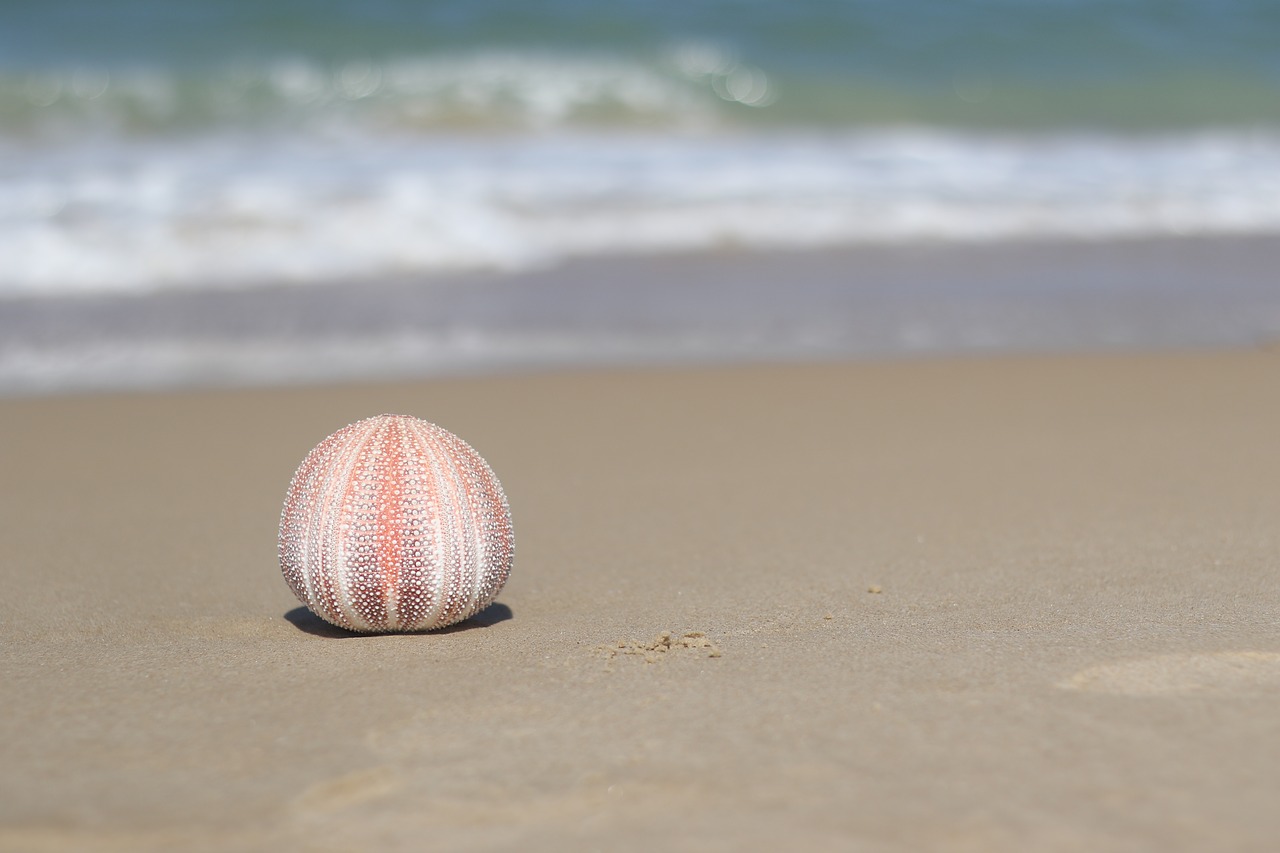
x: 309, y: 623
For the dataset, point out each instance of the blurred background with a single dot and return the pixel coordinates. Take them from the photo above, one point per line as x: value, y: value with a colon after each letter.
x: 198, y: 192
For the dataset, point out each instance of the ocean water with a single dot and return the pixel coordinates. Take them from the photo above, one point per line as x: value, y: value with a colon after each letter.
x: 151, y: 147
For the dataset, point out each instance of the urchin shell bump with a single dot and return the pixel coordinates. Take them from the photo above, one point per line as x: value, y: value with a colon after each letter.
x: 395, y: 524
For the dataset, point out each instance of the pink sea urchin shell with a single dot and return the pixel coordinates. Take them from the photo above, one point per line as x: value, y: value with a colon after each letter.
x: 394, y: 524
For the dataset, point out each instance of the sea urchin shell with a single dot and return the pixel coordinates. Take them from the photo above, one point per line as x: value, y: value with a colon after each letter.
x: 394, y: 524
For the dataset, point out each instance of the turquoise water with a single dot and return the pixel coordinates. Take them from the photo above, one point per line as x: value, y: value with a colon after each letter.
x: 1014, y: 64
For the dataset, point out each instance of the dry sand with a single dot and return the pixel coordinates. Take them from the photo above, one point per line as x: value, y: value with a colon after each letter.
x: 1005, y: 604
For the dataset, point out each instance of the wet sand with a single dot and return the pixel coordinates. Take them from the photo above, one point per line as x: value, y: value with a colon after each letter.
x: 730, y: 306
x: 970, y: 604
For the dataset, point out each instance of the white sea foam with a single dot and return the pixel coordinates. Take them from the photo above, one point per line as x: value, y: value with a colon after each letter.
x: 246, y: 210
x: 476, y: 89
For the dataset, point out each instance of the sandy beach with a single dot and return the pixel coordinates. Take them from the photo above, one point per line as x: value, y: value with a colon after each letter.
x: 973, y: 604
x: 887, y: 399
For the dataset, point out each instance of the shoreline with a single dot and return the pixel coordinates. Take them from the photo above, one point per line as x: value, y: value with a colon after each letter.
x: 868, y: 302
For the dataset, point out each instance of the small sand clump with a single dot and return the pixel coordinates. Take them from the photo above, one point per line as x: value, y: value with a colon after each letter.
x: 662, y: 645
